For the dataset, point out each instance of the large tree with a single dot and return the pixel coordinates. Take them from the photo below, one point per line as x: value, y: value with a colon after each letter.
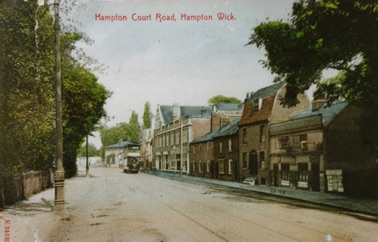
x: 26, y: 87
x: 321, y: 35
x: 27, y: 105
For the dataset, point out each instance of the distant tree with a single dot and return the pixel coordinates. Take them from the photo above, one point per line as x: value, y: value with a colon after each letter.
x: 147, y: 116
x: 133, y: 128
x: 92, y: 150
x: 121, y: 132
x: 223, y: 99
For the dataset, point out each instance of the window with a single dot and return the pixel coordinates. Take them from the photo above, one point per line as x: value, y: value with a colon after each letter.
x: 302, y: 172
x: 230, y: 166
x: 262, y: 159
x: 262, y: 136
x: 220, y: 147
x: 194, y: 165
x: 221, y: 166
x: 208, y: 166
x: 300, y: 141
x: 177, y: 138
x: 244, y: 136
x: 257, y: 104
x: 284, y: 142
x: 199, y: 166
x: 229, y: 145
x: 285, y: 171
x: 245, y: 160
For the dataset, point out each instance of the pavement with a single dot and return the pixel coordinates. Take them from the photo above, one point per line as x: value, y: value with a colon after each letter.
x: 340, y: 201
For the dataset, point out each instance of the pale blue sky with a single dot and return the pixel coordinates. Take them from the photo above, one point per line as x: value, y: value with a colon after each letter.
x: 184, y: 62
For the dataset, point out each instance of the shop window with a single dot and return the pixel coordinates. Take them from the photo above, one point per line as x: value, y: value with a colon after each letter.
x: 285, y: 171
x: 302, y: 172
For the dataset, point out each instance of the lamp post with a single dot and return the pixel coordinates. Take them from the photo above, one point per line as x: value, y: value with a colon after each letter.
x: 59, y: 173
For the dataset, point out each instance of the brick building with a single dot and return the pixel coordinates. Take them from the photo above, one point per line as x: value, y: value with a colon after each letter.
x: 175, y: 127
x: 226, y: 152
x: 323, y: 149
x: 260, y: 109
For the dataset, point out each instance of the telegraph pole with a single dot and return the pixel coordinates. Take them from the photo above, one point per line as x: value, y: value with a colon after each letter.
x: 59, y: 173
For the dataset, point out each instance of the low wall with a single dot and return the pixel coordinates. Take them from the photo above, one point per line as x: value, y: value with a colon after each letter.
x: 17, y: 187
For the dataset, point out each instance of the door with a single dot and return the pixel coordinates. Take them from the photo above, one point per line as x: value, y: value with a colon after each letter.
x: 315, y: 174
x: 253, y: 163
x: 275, y: 174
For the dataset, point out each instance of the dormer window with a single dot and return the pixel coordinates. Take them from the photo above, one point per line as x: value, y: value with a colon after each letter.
x: 257, y: 104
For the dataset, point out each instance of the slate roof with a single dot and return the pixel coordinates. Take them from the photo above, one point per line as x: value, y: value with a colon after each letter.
x: 229, y: 129
x: 266, y: 91
x: 185, y: 111
x: 268, y: 94
x: 123, y: 144
x: 229, y: 106
x: 328, y: 112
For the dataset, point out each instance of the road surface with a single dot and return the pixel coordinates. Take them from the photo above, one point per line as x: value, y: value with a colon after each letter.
x: 114, y: 206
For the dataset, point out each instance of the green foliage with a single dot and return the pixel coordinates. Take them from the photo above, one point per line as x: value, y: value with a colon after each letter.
x: 121, y: 132
x: 325, y: 34
x: 92, y: 151
x: 26, y: 90
x: 27, y: 97
x: 147, y: 116
x: 223, y: 99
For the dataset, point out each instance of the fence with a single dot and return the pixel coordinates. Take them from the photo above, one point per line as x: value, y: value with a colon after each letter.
x: 17, y: 187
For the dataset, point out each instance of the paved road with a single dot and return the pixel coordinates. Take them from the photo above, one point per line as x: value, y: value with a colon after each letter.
x: 113, y: 206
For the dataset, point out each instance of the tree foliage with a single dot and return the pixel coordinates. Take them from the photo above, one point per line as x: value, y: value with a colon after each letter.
x: 321, y: 35
x: 27, y: 104
x: 223, y: 99
x: 92, y: 151
x: 26, y: 89
x: 121, y: 132
x: 147, y: 116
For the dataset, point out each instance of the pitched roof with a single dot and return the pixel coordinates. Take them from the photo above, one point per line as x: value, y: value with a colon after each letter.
x: 266, y: 91
x: 185, y: 111
x: 229, y: 129
x: 328, y: 112
x: 267, y: 94
x: 123, y: 144
x: 228, y: 106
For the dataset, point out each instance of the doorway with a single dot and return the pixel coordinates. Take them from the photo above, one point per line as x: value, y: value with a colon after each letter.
x: 253, y: 163
x: 315, y: 174
x: 275, y: 174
